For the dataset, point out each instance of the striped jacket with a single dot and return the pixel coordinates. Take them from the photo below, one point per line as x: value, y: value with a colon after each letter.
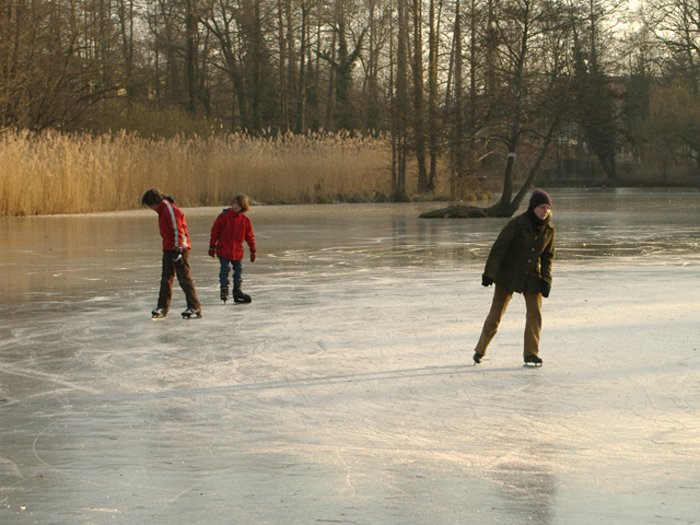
x: 173, y: 227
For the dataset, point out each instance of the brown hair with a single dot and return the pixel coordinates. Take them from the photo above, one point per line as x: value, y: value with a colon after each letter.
x: 153, y: 197
x: 243, y: 201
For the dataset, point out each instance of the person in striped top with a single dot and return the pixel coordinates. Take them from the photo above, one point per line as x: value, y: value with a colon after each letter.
x: 176, y: 247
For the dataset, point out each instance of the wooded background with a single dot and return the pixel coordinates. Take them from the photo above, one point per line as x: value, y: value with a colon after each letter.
x: 521, y: 90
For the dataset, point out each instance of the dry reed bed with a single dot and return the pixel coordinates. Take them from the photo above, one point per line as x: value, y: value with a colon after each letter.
x: 58, y: 173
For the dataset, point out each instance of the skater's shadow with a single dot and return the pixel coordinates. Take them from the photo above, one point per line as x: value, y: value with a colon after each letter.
x: 501, y: 369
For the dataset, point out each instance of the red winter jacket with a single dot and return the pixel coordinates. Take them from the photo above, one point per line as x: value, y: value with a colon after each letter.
x: 173, y: 227
x: 228, y: 232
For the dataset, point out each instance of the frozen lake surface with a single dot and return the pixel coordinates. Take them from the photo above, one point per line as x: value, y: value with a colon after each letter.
x: 345, y: 392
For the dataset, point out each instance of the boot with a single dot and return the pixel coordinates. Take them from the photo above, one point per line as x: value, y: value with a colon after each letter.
x: 192, y: 312
x: 239, y: 296
x: 224, y: 293
x: 532, y: 360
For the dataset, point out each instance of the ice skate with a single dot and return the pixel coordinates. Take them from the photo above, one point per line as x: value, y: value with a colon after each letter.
x: 224, y: 293
x: 158, y: 313
x: 192, y: 312
x: 477, y: 358
x: 240, y: 297
x: 533, y: 360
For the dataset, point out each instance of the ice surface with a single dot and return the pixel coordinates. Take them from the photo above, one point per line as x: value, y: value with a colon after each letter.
x: 345, y: 392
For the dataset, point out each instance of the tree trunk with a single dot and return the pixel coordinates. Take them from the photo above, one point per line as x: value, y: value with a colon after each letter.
x: 220, y: 25
x: 191, y: 57
x: 456, y: 105
x: 371, y: 90
x: 283, y: 102
x: 125, y: 9
x: 418, y: 98
x: 432, y: 97
x: 301, y: 92
x: 291, y: 63
x: 401, y: 105
x: 330, y: 97
x: 503, y: 208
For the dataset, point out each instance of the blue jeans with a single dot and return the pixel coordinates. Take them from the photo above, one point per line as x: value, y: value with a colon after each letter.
x: 226, y: 265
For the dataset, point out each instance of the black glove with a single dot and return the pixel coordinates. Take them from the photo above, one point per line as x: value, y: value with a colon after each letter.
x: 176, y: 255
x: 486, y: 280
x: 544, y: 288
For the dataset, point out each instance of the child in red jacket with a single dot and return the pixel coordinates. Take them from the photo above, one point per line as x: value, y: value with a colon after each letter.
x: 176, y: 246
x: 228, y: 232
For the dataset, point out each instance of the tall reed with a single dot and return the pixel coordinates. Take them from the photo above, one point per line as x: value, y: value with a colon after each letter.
x: 58, y: 173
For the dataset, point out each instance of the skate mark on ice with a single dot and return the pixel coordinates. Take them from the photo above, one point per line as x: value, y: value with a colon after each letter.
x: 53, y: 378
x: 283, y: 384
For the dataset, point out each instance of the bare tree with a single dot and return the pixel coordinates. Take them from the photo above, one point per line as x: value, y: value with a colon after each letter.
x: 49, y: 73
x: 671, y: 130
x: 126, y: 14
x: 434, y: 131
x: 533, y: 114
x: 378, y: 15
x: 191, y: 55
x: 342, y: 62
x: 676, y: 27
x: 594, y: 101
x: 418, y: 97
x: 455, y: 99
x: 303, y: 69
x: 400, y: 107
x: 534, y: 79
x: 220, y: 20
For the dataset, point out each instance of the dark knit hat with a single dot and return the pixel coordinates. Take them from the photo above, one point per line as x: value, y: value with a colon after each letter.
x: 538, y: 197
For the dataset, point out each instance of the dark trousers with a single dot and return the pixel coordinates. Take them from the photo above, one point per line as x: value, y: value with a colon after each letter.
x: 533, y: 320
x: 180, y: 268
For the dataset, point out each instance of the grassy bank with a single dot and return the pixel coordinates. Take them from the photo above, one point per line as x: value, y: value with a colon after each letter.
x: 58, y: 173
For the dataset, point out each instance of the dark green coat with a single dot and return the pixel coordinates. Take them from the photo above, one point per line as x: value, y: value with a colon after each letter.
x: 522, y: 255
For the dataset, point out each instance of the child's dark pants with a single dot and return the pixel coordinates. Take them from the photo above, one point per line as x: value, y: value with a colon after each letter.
x: 181, y: 268
x: 225, y: 270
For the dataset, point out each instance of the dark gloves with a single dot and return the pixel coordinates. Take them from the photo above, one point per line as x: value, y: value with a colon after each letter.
x: 212, y: 251
x: 252, y: 257
x: 544, y: 288
x: 176, y: 255
x: 486, y: 280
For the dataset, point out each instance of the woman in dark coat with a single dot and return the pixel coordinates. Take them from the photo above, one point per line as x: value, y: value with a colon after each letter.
x: 521, y: 261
